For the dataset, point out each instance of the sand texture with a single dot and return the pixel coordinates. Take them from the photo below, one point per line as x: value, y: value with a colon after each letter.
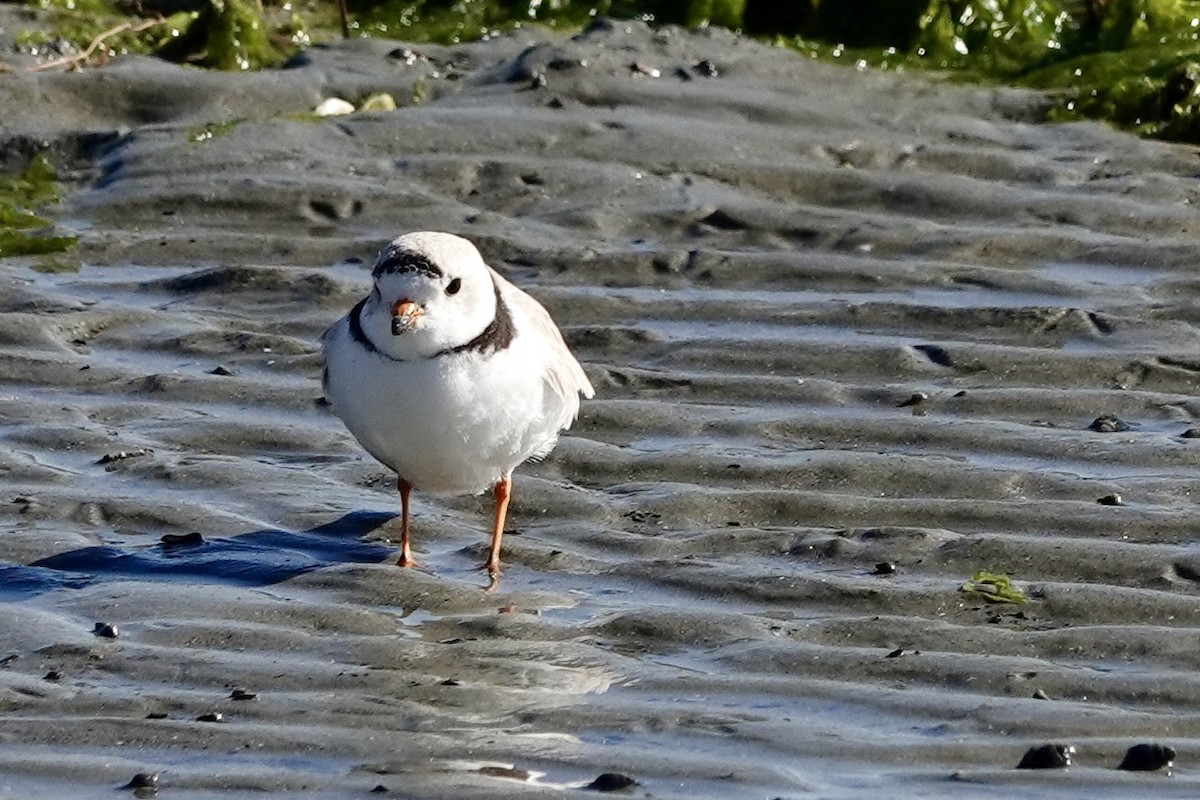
x: 835, y: 318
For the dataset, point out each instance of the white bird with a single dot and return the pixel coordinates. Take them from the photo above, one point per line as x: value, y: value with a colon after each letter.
x: 450, y: 375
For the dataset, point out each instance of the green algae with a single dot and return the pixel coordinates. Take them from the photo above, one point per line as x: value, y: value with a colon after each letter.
x: 228, y: 35
x: 993, y: 588
x: 1134, y: 63
x: 452, y: 21
x: 23, y: 231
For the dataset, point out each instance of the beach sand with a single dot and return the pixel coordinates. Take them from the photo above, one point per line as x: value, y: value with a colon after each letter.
x: 759, y: 259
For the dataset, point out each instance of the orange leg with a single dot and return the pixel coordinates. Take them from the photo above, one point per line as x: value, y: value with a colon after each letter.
x: 502, y: 491
x: 406, y: 556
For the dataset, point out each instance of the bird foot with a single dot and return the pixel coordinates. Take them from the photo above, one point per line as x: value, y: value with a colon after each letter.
x: 493, y: 573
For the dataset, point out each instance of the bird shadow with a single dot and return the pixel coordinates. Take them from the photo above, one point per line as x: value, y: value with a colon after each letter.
x: 258, y: 558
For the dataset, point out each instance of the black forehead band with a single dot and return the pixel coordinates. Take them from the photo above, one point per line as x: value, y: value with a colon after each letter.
x: 398, y: 260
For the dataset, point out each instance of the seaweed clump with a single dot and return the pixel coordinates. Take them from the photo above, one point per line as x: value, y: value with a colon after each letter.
x: 23, y: 232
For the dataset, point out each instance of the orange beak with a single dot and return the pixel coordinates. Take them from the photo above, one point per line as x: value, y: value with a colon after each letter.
x: 404, y: 316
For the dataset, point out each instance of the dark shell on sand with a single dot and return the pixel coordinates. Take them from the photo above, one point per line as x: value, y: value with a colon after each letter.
x: 1047, y: 756
x: 1147, y: 757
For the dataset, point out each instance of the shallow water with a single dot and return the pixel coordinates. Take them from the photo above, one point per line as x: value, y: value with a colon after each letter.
x: 758, y: 271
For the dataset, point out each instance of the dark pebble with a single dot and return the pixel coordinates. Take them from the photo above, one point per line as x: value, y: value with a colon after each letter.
x: 222, y: 370
x: 242, y: 694
x: 157, y: 715
x: 451, y: 682
x: 1047, y: 756
x: 706, y: 68
x: 53, y: 675
x: 1038, y: 694
x: 916, y: 398
x: 182, y: 539
x: 379, y: 789
x: 143, y: 780
x: 611, y: 782
x: 1113, y: 499
x: 897, y: 653
x: 1191, y: 433
x: 884, y: 568
x: 212, y: 716
x: 1147, y: 757
x: 106, y: 630
x: 1107, y: 423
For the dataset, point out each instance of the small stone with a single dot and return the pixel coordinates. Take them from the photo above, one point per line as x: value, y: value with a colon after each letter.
x: 897, y: 653
x: 106, y: 630
x: 638, y: 68
x: 211, y: 716
x: 379, y: 789
x: 1147, y: 757
x: 157, y: 715
x: 706, y: 69
x: 611, y: 782
x: 333, y: 107
x: 242, y: 694
x: 143, y: 780
x: 1191, y: 433
x: 1108, y: 423
x: 1113, y: 499
x: 222, y: 370
x: 916, y: 398
x: 885, y: 568
x: 1047, y: 756
x: 451, y: 682
x: 53, y: 675
x: 1038, y: 694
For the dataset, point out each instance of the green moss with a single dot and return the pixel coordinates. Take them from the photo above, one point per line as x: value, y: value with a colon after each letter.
x: 230, y: 35
x: 22, y: 230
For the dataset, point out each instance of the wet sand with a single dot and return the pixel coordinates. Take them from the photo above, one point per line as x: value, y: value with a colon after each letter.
x: 758, y: 269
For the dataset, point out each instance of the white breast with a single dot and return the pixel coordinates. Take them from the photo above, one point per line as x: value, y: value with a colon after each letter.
x: 455, y: 423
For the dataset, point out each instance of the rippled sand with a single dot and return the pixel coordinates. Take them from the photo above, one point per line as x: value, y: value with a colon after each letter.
x: 758, y: 269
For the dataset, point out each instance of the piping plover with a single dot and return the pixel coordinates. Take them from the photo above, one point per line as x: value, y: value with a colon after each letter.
x: 450, y: 375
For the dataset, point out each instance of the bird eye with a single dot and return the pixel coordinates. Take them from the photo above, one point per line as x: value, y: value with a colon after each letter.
x: 453, y: 286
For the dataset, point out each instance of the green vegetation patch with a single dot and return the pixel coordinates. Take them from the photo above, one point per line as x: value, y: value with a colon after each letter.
x: 451, y: 21
x: 23, y: 231
x: 1135, y: 63
x: 993, y: 587
x: 223, y: 34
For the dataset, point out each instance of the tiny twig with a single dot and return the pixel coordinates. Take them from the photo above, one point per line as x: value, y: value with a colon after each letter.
x: 66, y: 61
x: 344, y: 15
